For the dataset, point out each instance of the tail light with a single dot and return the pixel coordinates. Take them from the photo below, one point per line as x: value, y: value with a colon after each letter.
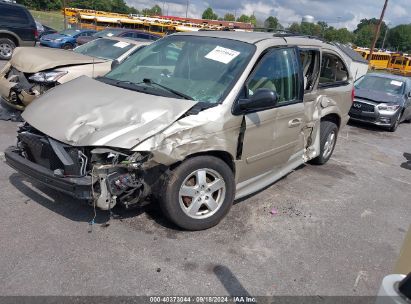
x: 352, y: 95
x: 36, y: 34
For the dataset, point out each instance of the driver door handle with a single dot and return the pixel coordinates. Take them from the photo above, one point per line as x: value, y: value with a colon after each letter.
x: 294, y: 123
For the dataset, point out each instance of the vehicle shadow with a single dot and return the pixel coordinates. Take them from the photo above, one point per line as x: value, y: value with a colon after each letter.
x: 73, y: 209
x: 230, y: 282
x: 240, y: 200
x: 406, y: 164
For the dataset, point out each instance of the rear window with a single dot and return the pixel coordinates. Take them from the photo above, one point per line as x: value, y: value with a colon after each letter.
x: 10, y: 14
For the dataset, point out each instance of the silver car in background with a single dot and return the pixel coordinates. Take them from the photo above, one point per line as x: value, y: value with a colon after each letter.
x: 382, y: 99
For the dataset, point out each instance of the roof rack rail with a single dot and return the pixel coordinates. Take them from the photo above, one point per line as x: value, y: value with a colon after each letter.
x: 286, y: 33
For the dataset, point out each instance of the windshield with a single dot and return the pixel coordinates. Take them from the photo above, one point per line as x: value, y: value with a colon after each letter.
x: 104, y: 48
x: 377, y: 83
x: 200, y: 68
x: 69, y: 32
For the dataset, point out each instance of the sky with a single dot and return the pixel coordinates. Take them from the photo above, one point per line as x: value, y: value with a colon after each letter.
x: 338, y: 13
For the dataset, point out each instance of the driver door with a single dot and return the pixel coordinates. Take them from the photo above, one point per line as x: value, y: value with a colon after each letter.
x: 273, y: 138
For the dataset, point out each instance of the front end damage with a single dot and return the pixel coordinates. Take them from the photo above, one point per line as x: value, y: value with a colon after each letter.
x: 102, y: 176
x: 18, y: 89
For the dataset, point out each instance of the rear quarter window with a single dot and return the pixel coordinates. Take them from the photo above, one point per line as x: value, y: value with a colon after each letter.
x: 333, y: 71
x: 13, y: 15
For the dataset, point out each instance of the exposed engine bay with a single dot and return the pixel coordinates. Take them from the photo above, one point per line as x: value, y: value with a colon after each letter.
x: 117, y: 177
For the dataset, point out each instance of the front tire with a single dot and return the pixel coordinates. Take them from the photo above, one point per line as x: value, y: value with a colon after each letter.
x: 396, y: 123
x: 67, y: 46
x: 6, y: 48
x: 328, y: 139
x: 198, y: 193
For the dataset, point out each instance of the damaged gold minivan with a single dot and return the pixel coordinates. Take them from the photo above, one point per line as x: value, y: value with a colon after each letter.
x: 192, y: 122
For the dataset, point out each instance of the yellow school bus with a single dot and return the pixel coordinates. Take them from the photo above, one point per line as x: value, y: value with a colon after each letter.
x: 379, y: 60
x: 402, y: 66
x: 394, y: 57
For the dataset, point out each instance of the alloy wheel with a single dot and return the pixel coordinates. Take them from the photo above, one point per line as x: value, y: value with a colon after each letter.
x: 202, y: 193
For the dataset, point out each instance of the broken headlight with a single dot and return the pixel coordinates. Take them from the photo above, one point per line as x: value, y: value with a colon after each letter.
x: 47, y: 77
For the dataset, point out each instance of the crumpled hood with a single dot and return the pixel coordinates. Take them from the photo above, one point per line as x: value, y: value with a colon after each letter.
x: 378, y: 96
x: 36, y: 59
x: 87, y: 112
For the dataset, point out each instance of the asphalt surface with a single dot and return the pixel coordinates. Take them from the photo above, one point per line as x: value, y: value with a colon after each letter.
x: 338, y: 231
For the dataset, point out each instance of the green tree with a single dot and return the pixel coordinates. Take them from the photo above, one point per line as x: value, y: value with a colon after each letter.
x: 119, y: 6
x: 253, y: 20
x: 229, y: 17
x: 399, y: 38
x: 365, y: 35
x: 271, y: 23
x: 243, y: 18
x: 154, y: 11
x: 341, y: 35
x: 209, y: 14
x: 367, y: 25
x: 41, y: 4
x: 295, y: 28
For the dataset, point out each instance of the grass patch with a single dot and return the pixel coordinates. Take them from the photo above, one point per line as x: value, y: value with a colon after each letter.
x: 52, y: 19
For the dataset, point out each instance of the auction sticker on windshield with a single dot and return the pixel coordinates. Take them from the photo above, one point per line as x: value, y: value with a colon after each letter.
x: 396, y: 83
x: 222, y: 54
x: 121, y: 44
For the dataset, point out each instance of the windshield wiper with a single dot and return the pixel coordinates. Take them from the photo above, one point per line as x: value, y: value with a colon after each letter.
x: 177, y: 93
x: 130, y: 85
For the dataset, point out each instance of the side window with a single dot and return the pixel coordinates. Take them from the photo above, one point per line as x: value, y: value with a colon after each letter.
x: 141, y: 36
x: 310, y: 62
x: 277, y: 71
x: 128, y: 35
x: 333, y: 71
x: 13, y: 15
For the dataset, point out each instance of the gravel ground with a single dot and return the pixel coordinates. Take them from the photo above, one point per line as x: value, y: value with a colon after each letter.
x: 338, y: 231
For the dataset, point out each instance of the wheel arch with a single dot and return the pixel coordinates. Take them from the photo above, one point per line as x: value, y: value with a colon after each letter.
x: 10, y: 35
x: 223, y: 155
x: 332, y: 117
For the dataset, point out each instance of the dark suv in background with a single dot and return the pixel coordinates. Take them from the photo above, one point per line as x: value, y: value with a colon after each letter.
x: 17, y: 28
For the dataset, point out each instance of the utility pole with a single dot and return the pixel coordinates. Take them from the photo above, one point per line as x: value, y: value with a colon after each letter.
x: 64, y: 13
x: 187, y: 9
x: 385, y: 36
x: 377, y: 30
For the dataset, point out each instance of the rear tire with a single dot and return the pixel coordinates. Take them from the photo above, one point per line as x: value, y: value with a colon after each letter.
x: 6, y: 48
x: 208, y: 183
x: 328, y: 139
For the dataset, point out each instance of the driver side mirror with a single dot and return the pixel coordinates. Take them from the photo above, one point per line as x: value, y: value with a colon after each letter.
x: 263, y: 99
x: 114, y: 64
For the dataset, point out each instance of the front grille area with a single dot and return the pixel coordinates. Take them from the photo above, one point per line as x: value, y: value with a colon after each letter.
x: 361, y: 117
x: 365, y: 107
x: 38, y: 149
